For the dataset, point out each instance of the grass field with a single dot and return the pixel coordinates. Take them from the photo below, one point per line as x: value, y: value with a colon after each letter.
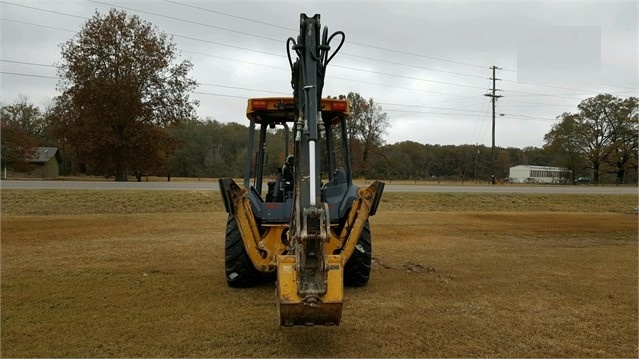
x: 140, y: 274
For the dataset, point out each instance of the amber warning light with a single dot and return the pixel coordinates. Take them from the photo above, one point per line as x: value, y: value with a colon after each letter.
x: 338, y: 106
x: 258, y: 104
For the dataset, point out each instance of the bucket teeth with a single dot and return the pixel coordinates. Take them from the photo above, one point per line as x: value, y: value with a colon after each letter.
x: 293, y: 314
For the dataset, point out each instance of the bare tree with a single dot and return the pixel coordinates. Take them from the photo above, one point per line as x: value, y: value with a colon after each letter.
x: 368, y: 124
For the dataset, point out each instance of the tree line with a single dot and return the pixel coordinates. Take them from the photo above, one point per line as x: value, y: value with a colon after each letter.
x: 209, y: 148
x: 125, y: 109
x: 600, y: 137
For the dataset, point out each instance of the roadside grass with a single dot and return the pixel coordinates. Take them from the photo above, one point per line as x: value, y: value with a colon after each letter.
x: 133, y: 179
x: 360, y: 181
x: 63, y: 202
x: 140, y: 274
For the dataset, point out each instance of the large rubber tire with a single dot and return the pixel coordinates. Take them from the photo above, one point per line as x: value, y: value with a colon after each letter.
x: 357, y: 270
x: 240, y: 272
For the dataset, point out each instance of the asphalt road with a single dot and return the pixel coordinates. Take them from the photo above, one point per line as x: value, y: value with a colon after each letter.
x: 213, y: 186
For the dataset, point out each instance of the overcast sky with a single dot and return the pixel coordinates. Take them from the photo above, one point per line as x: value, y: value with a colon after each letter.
x: 427, y: 63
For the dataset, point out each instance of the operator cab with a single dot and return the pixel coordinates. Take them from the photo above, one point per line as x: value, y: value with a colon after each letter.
x: 278, y: 112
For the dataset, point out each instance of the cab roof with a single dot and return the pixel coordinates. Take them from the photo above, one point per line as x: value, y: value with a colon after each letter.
x: 282, y: 109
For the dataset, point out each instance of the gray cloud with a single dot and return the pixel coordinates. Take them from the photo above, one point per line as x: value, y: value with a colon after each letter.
x: 435, y: 97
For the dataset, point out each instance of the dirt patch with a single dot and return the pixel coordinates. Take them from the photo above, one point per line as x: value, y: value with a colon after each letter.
x: 417, y: 268
x: 410, y: 266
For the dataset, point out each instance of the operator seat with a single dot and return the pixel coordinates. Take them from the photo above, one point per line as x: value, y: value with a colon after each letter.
x: 288, y: 175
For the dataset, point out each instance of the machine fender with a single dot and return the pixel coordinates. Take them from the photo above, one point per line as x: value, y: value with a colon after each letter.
x: 238, y: 204
x: 363, y: 207
x: 227, y: 197
x: 376, y: 198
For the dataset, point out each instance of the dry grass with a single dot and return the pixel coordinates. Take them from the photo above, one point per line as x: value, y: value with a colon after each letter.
x: 63, y: 202
x: 69, y: 202
x: 133, y: 179
x: 83, y: 278
x: 507, y: 202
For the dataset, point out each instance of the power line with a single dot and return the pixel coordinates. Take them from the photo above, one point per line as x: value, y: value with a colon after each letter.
x: 230, y: 15
x: 237, y: 31
x: 535, y: 103
x: 352, y: 42
x: 350, y: 68
x: 188, y: 21
x: 406, y: 77
x: 199, y: 83
x: 480, y: 133
x: 240, y: 88
x: 531, y: 105
x: 549, y: 86
x: 428, y: 107
x: 287, y: 69
x: 333, y: 77
x: 522, y: 117
x: 243, y: 88
x: 225, y: 45
x: 26, y: 63
x: 397, y: 87
x: 49, y: 11
x: 419, y: 55
x: 530, y: 118
x: 345, y: 54
x: 39, y: 25
x: 541, y: 94
x: 412, y: 66
x: 276, y: 40
x: 623, y: 87
x: 28, y: 75
x: 433, y: 113
x: 175, y: 35
x: 278, y: 55
x: 286, y: 28
x: 218, y: 94
x: 567, y: 88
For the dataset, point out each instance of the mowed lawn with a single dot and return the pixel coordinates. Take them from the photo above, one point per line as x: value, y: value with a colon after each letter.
x: 140, y: 274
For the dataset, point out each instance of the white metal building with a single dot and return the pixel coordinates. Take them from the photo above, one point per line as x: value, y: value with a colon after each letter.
x: 537, y: 174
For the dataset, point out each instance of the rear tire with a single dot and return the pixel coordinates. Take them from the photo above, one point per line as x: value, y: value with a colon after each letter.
x: 240, y: 272
x: 357, y: 270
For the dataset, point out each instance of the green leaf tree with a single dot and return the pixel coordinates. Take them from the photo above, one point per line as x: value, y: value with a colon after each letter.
x: 624, y: 140
x: 601, y: 122
x: 121, y: 88
x: 603, y: 133
x: 565, y: 141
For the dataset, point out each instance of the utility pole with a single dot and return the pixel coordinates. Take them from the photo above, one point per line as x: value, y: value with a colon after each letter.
x: 494, y: 99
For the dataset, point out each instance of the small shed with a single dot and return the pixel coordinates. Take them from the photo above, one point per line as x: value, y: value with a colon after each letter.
x: 47, y: 163
x: 537, y: 174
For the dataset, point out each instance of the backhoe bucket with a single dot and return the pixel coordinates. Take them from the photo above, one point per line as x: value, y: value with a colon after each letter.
x: 321, y: 310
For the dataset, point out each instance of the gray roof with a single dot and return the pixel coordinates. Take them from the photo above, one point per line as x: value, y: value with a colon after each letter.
x: 44, y: 154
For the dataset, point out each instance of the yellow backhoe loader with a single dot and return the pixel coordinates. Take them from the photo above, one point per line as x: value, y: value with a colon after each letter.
x: 313, y: 235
